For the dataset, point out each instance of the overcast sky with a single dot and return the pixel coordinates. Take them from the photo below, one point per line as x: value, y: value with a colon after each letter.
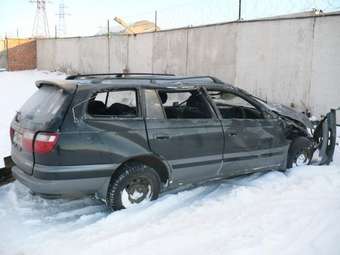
x: 87, y: 17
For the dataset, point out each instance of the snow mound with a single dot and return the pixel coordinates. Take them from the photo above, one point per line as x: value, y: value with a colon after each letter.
x: 273, y: 213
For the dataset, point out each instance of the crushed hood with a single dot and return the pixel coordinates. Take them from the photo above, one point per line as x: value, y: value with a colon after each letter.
x: 286, y: 111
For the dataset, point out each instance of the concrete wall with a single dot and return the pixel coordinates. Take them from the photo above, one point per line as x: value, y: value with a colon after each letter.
x: 294, y: 61
x: 3, y: 54
x: 274, y: 61
x: 325, y: 71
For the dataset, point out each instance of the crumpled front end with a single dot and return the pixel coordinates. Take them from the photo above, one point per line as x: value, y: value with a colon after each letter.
x: 325, y: 139
x: 323, y: 135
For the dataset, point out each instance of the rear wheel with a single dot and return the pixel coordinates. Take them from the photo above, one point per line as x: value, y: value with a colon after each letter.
x: 300, y: 152
x: 135, y: 184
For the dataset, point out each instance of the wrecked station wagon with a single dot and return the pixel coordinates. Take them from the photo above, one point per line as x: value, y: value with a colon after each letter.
x: 129, y: 137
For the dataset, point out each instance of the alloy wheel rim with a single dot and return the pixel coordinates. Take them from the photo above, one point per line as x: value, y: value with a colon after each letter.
x: 301, y: 160
x: 137, y: 190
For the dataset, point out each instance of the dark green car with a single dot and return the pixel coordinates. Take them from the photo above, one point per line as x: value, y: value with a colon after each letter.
x: 129, y: 137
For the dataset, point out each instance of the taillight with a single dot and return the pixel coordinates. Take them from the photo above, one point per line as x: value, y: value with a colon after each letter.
x: 44, y: 142
x: 11, y: 133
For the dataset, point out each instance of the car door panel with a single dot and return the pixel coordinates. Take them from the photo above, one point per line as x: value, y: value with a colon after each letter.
x: 252, y: 144
x: 193, y: 148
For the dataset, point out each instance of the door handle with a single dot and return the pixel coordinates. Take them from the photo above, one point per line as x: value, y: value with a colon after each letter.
x: 232, y: 134
x: 162, y: 137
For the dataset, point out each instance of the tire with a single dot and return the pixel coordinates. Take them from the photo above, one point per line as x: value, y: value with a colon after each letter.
x: 300, y: 152
x: 134, y: 178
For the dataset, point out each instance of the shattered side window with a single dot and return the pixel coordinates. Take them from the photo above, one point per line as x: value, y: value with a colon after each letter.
x: 153, y: 106
x: 126, y: 97
x: 101, y: 97
x: 184, y: 105
x: 232, y: 106
x: 116, y: 103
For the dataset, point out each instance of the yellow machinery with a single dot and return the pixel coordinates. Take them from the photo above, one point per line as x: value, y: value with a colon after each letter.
x: 138, y: 27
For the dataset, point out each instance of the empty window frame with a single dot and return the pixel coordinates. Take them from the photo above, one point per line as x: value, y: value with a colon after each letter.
x: 153, y: 105
x: 115, y: 103
x: 189, y: 104
x: 232, y: 106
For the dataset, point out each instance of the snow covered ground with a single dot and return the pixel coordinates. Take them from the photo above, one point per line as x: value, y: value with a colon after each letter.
x: 296, y: 212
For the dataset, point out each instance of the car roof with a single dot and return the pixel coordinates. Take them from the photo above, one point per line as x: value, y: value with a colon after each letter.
x: 128, y: 80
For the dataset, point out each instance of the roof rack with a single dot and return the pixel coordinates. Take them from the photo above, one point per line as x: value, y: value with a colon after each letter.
x: 134, y: 76
x: 117, y: 75
x: 180, y: 78
x: 212, y: 78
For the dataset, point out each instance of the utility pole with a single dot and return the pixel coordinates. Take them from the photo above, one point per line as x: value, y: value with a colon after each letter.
x: 108, y: 28
x: 155, y: 20
x: 40, y: 25
x: 239, y: 9
x: 108, y: 47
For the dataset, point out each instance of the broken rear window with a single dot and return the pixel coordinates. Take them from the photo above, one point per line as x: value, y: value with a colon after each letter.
x: 43, y: 105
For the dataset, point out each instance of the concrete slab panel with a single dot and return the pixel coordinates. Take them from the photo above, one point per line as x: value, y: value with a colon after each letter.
x: 211, y: 51
x: 118, y: 53
x: 67, y: 55
x: 170, y: 52
x: 46, y: 50
x: 325, y: 77
x: 140, y: 52
x: 93, y: 55
x: 274, y: 60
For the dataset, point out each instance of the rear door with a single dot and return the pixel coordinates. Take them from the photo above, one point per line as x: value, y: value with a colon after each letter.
x: 43, y: 111
x: 113, y: 129
x: 253, y: 140
x: 183, y: 130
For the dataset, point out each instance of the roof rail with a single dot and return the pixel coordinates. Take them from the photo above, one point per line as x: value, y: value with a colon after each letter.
x: 214, y: 79
x: 117, y: 75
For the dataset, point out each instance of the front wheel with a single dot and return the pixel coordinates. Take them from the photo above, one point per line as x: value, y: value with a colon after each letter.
x: 300, y: 152
x: 136, y: 183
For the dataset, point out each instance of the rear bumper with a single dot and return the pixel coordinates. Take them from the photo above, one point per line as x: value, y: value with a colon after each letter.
x: 70, y: 186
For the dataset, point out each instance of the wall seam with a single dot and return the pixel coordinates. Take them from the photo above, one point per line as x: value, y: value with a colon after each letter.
x: 308, y: 99
x: 108, y: 53
x: 152, y: 50
x: 127, y: 54
x: 236, y: 53
x: 187, y: 52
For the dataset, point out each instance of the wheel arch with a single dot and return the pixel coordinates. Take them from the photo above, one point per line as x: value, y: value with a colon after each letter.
x: 151, y: 160
x: 295, y: 144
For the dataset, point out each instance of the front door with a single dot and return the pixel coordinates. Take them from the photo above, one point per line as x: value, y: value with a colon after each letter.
x: 253, y: 142
x: 183, y: 130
